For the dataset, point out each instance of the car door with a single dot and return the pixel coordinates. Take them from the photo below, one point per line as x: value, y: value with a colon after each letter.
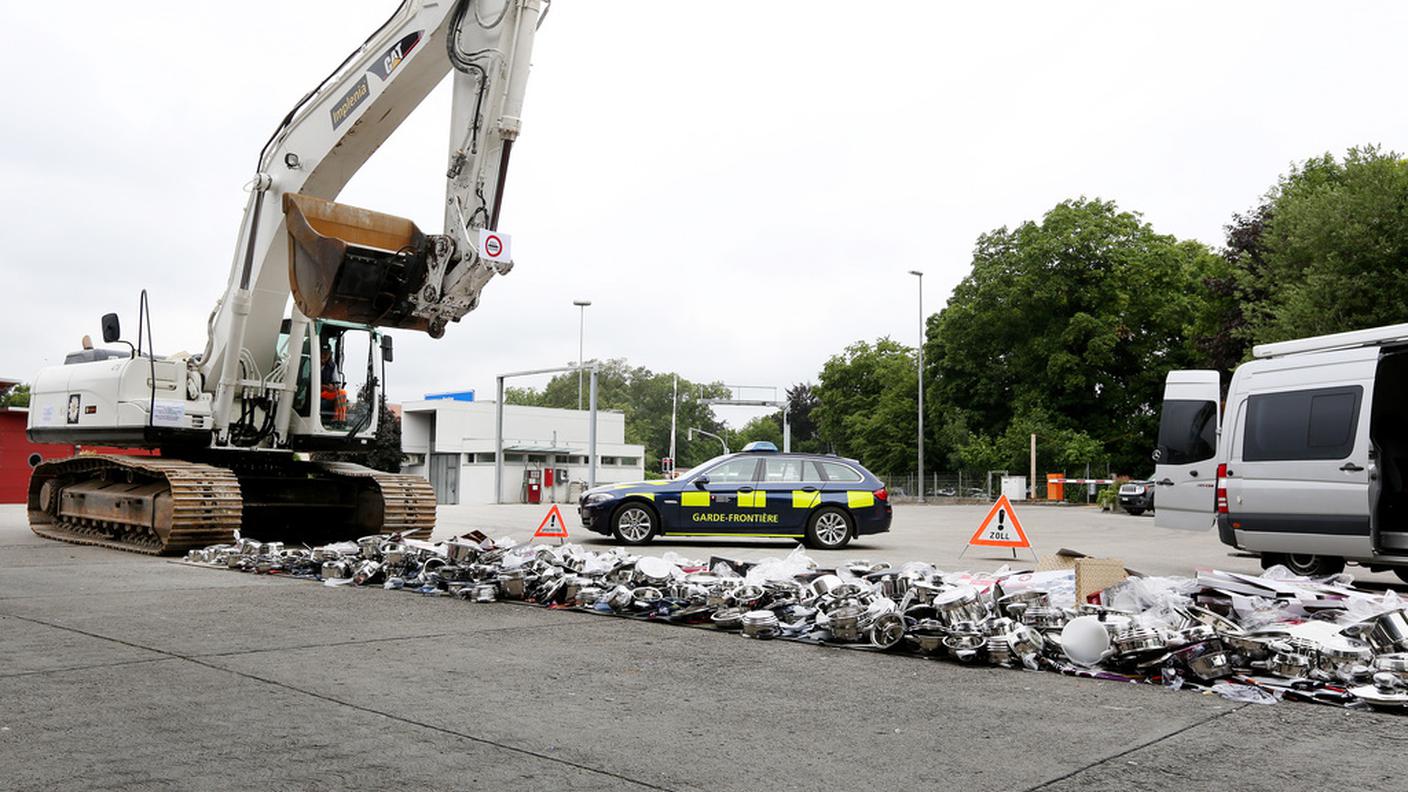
x: 1299, y: 464
x: 1185, y: 470
x: 709, y: 501
x: 779, y: 480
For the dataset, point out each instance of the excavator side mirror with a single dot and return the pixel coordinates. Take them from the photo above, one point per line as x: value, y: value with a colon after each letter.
x: 112, y: 328
x: 386, y: 353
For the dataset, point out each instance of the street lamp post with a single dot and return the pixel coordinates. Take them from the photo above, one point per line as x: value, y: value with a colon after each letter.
x: 581, y: 337
x: 920, y: 276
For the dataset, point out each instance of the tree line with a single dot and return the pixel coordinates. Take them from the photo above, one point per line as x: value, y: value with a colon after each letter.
x: 1066, y: 326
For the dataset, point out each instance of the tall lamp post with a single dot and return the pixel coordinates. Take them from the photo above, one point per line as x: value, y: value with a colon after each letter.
x: 920, y: 276
x: 581, y: 337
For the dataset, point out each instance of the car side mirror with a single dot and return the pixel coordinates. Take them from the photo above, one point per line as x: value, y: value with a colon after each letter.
x: 386, y: 354
x: 701, y: 482
x: 1157, y: 455
x: 112, y: 329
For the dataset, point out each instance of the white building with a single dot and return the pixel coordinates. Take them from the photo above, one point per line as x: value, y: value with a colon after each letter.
x: 451, y: 443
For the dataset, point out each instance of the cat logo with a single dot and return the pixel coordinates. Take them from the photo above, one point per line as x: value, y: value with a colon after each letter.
x: 393, y: 57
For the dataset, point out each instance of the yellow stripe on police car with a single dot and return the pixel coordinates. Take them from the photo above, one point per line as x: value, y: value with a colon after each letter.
x: 860, y: 499
x: 752, y: 500
x: 694, y: 499
x: 802, y: 499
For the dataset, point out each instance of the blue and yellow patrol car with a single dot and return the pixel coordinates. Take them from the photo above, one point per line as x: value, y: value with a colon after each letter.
x: 759, y: 492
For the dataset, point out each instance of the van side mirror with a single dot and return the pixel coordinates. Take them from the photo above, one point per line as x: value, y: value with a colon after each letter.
x: 386, y: 353
x: 112, y: 329
x: 701, y: 482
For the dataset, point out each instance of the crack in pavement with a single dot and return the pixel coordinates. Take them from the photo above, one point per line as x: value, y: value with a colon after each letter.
x: 196, y: 660
x: 113, y: 664
x: 1140, y: 747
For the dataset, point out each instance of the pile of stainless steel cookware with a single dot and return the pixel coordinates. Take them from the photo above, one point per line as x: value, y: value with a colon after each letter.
x: 1355, y: 655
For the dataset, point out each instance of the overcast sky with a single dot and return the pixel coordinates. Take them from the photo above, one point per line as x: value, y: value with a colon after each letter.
x: 739, y: 187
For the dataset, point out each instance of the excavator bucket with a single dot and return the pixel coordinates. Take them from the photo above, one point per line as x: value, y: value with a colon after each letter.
x: 352, y: 264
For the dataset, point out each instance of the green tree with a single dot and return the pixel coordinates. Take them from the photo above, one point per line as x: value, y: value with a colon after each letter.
x: 764, y: 427
x: 16, y: 396
x: 866, y: 405
x: 645, y: 398
x: 1333, y: 248
x: 1077, y: 318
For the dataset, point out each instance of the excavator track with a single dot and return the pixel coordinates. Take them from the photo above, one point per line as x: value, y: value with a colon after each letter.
x: 165, y: 506
x: 408, y: 501
x: 142, y: 504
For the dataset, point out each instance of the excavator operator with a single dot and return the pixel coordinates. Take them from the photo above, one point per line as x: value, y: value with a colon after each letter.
x: 334, y: 395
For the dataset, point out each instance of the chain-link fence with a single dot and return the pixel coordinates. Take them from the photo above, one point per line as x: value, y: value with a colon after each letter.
x: 984, y: 485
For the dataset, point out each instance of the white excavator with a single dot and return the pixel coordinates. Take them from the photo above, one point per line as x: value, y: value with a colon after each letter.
x: 223, y: 429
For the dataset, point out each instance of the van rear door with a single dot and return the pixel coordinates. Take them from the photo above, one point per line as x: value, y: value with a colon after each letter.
x: 1185, y: 469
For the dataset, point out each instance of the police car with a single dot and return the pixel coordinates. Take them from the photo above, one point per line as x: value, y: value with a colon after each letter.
x: 759, y: 492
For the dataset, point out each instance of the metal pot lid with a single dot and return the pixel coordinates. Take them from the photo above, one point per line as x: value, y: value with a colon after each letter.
x: 727, y: 617
x: 652, y: 568
x: 1221, y: 624
x: 958, y: 595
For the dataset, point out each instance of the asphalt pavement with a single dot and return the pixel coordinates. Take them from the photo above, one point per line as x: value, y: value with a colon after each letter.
x: 120, y: 671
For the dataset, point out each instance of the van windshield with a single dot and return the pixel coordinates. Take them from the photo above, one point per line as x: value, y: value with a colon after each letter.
x: 1187, y: 431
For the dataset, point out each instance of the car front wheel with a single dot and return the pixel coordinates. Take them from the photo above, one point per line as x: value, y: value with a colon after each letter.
x: 1134, y: 511
x: 633, y: 524
x: 829, y: 529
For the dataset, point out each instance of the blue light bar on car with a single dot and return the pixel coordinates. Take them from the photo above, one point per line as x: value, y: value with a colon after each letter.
x: 760, y: 445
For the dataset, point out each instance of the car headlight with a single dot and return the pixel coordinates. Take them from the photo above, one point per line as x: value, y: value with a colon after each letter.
x: 594, y: 499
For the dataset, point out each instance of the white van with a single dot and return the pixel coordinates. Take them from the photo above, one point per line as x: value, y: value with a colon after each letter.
x: 1306, y: 461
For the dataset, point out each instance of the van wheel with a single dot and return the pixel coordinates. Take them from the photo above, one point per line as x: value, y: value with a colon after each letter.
x: 1306, y: 565
x: 829, y: 528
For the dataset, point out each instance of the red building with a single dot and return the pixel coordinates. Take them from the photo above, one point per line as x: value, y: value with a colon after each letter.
x: 18, y: 456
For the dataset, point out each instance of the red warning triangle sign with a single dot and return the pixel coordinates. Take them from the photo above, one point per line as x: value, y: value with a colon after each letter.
x: 1000, y: 528
x: 552, y: 526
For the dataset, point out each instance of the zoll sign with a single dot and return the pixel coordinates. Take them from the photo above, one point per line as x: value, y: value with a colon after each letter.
x: 494, y: 246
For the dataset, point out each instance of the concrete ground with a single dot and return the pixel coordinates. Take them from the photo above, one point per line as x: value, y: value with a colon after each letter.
x: 120, y: 671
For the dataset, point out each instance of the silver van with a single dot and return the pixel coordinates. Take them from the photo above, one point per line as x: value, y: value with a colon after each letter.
x: 1306, y: 460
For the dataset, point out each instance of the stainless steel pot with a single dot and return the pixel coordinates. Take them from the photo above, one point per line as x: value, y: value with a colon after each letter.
x: 334, y: 570
x: 728, y: 618
x: 458, y: 551
x: 1387, y: 632
x: 513, y: 583
x: 1021, y: 601
x: 485, y: 592
x: 1044, y: 618
x: 1289, y: 665
x: 747, y: 597
x: 1136, y: 641
x: 887, y: 630
x: 959, y: 604
x: 845, y: 623
x: 369, y: 546
x: 1206, y: 661
x: 760, y: 624
x: 652, y: 571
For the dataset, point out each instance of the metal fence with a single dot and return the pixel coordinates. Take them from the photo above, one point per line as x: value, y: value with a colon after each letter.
x: 986, y: 485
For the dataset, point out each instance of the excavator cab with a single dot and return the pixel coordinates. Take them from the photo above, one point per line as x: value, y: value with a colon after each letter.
x: 354, y: 265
